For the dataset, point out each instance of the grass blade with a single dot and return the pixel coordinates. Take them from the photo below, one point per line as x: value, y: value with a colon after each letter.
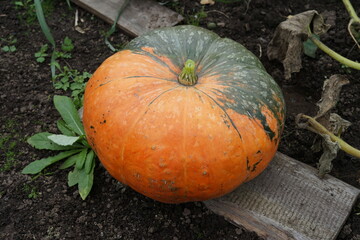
x: 113, y: 27
x: 61, y: 125
x: 85, y: 182
x: 38, y: 165
x: 69, y: 162
x: 46, y: 30
x: 90, y: 161
x: 68, y: 112
x: 81, y: 159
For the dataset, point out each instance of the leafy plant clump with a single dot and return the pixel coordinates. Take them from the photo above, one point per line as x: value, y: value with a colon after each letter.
x: 74, y: 80
x: 8, y: 44
x: 75, y: 150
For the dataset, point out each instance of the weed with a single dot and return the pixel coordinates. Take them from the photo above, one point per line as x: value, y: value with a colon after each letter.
x: 74, y: 80
x: 196, y: 18
x: 67, y: 45
x: 41, y: 54
x: 7, y: 147
x: 8, y: 44
x: 31, y: 191
x: 27, y: 11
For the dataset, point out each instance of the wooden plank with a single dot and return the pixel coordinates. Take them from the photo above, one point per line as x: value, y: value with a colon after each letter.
x: 138, y: 17
x: 289, y: 201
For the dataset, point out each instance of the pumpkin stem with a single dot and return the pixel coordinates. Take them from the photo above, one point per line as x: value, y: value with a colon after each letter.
x: 187, y: 76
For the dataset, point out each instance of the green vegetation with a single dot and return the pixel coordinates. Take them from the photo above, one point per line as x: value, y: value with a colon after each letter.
x: 8, y: 147
x: 75, y: 151
x: 8, y: 44
x: 31, y: 191
x: 26, y: 9
x: 67, y: 79
x: 196, y: 18
x: 41, y: 54
x: 73, y: 80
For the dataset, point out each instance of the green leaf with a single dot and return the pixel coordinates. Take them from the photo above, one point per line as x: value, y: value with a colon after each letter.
x: 41, y: 141
x: 46, y: 30
x: 40, y: 59
x: 64, y: 129
x: 5, y: 48
x: 81, y: 159
x: 69, y: 162
x: 68, y: 112
x: 38, y: 165
x: 12, y: 48
x: 67, y: 45
x: 310, y: 47
x: 85, y: 182
x: 73, y: 177
x: 63, y: 140
x: 90, y: 161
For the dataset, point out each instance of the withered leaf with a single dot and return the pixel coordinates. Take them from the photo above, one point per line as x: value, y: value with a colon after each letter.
x: 287, y: 42
x: 330, y: 150
x: 330, y: 93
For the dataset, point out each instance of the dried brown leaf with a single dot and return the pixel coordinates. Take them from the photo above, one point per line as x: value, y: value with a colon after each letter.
x: 330, y: 94
x: 211, y: 2
x: 287, y: 42
x: 330, y: 150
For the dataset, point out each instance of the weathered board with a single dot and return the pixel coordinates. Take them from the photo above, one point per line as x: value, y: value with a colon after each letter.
x: 138, y: 17
x: 289, y: 201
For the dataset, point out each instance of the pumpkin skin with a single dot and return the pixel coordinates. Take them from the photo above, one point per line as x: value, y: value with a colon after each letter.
x: 177, y: 143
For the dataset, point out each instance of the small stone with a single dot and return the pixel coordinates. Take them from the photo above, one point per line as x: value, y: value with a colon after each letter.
x: 22, y: 109
x: 151, y: 230
x: 211, y: 25
x: 238, y: 231
x: 221, y: 24
x: 186, y: 212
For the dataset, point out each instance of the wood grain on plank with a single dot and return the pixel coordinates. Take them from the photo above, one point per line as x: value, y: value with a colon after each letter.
x: 138, y: 17
x: 289, y: 201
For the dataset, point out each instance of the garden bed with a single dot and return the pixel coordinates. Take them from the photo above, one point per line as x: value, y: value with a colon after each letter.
x: 46, y: 208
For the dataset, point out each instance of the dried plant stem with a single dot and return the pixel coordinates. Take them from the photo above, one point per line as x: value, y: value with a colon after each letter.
x: 354, y: 19
x: 316, y: 127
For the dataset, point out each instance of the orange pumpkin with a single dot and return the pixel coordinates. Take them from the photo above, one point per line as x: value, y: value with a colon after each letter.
x: 183, y: 115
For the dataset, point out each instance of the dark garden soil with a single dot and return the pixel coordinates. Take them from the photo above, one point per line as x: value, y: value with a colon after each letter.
x: 46, y: 208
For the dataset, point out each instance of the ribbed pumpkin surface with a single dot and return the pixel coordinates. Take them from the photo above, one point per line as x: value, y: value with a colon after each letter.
x: 177, y: 143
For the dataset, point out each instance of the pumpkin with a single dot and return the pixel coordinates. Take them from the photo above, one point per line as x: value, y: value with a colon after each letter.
x: 183, y: 115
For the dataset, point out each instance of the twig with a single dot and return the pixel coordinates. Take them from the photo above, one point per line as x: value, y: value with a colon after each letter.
x: 316, y: 127
x: 216, y: 11
x: 354, y: 19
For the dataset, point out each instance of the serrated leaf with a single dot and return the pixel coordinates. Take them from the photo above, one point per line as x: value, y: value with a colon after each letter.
x: 68, y: 112
x: 63, y: 140
x: 73, y: 177
x: 90, y: 161
x: 41, y: 141
x: 38, y: 165
x: 81, y: 159
x: 85, y: 182
x: 64, y: 129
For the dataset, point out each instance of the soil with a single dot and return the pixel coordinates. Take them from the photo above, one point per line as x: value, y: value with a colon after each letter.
x: 46, y: 208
